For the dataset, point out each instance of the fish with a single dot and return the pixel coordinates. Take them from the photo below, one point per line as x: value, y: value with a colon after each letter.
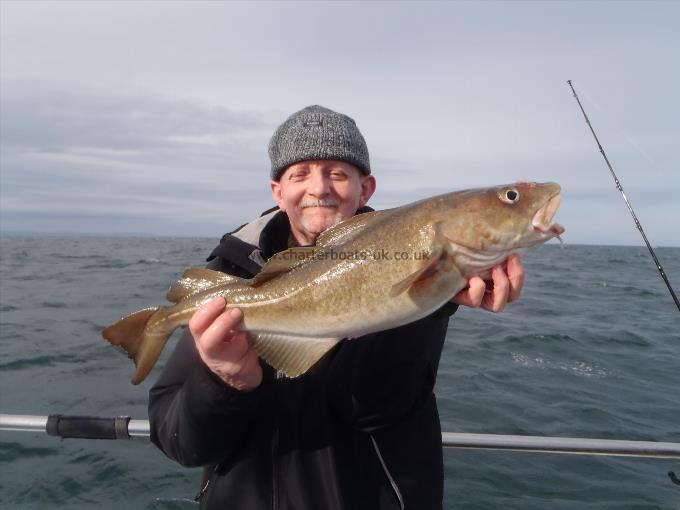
x: 375, y: 271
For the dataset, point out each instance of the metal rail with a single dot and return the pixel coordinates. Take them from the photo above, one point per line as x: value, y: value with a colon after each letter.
x: 85, y: 426
x: 92, y: 427
x: 571, y: 445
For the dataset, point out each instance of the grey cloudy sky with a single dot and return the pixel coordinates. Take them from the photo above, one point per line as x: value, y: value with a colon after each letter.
x: 154, y: 117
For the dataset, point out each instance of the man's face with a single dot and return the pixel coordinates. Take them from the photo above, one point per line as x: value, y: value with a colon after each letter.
x: 317, y: 194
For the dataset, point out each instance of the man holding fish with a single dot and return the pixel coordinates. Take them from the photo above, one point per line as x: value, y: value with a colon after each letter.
x: 357, y: 425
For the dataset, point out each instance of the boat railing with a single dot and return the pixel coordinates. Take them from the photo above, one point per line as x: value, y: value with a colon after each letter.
x: 124, y: 427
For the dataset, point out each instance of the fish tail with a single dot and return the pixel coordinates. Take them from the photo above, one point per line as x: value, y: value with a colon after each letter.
x: 142, y: 335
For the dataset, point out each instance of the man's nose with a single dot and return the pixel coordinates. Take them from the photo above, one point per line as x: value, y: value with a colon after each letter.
x: 319, y: 185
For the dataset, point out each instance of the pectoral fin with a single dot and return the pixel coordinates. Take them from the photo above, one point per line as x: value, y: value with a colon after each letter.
x: 422, y: 274
x: 290, y: 355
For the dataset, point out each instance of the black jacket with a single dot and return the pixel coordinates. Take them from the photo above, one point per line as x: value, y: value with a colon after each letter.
x: 359, y: 430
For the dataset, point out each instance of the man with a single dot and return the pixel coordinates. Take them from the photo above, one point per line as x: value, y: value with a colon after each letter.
x: 360, y: 429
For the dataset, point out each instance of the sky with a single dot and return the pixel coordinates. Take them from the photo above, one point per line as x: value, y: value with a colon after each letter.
x: 153, y: 118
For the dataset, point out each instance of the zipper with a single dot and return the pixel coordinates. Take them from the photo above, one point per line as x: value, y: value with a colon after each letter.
x: 275, y: 471
x: 393, y: 483
x: 204, y: 489
x: 275, y: 447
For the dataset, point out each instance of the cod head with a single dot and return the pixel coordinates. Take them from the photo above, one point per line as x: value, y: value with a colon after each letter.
x: 503, y: 219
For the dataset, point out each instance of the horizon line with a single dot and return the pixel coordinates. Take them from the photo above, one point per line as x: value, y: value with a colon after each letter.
x: 37, y: 233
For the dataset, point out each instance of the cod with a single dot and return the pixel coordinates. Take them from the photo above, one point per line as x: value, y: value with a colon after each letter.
x: 372, y: 272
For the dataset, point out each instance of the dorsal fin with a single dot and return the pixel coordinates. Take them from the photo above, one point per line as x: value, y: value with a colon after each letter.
x: 347, y: 229
x: 282, y: 262
x: 285, y: 260
x: 196, y: 279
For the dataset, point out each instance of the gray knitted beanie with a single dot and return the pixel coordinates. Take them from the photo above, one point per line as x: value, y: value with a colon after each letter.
x: 316, y: 132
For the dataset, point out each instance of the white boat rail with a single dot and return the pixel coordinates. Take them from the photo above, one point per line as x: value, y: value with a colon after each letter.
x: 123, y: 427
x: 572, y: 445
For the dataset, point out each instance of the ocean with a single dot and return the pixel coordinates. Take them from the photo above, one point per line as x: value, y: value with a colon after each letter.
x: 592, y: 349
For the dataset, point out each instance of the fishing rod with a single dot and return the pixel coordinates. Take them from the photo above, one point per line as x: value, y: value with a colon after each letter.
x: 630, y: 208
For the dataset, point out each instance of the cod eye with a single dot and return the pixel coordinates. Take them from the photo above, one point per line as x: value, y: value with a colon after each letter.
x: 510, y: 196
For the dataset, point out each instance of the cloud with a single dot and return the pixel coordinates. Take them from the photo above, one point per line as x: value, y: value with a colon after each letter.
x: 62, y: 120
x: 448, y: 96
x: 68, y: 157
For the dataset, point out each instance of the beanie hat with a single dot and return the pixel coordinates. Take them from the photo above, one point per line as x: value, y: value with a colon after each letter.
x: 316, y: 132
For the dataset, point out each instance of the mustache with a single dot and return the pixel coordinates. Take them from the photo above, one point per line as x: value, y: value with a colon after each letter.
x: 323, y: 202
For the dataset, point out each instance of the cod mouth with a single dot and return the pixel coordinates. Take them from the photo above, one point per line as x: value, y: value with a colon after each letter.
x: 542, y: 220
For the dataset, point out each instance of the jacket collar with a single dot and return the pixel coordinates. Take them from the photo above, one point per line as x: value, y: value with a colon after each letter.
x: 250, y: 245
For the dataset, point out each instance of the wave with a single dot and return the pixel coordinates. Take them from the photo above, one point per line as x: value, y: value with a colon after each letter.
x: 149, y: 261
x: 41, y: 361
x: 577, y: 367
x: 109, y: 264
x: 54, y: 304
x: 15, y: 451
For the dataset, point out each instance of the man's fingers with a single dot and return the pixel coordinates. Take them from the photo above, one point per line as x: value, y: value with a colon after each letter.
x: 477, y: 291
x: 205, y: 316
x: 501, y: 288
x: 228, y: 320
x: 240, y: 358
x: 223, y: 347
x: 244, y: 375
x: 516, y: 277
x: 473, y: 295
x: 223, y: 332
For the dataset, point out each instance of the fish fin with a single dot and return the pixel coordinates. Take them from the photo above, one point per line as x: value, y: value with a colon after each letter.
x: 290, y: 355
x: 282, y: 262
x: 425, y: 272
x: 197, y: 279
x: 141, y: 337
x: 285, y: 260
x: 345, y: 230
x: 203, y: 273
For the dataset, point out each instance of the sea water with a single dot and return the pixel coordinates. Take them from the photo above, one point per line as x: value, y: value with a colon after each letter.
x: 592, y: 349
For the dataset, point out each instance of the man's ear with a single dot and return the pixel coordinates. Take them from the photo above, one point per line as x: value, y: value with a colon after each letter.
x: 277, y: 194
x: 368, y: 186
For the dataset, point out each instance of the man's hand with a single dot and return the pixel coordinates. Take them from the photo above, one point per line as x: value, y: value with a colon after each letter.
x: 223, y: 348
x: 505, y: 288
